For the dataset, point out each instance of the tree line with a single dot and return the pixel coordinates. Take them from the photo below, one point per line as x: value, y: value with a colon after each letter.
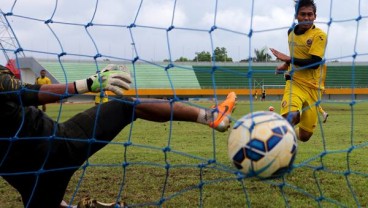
x: 220, y: 55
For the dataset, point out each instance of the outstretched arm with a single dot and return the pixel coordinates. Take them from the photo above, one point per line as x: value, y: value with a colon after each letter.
x: 281, y: 56
x: 114, y: 78
x: 313, y: 62
x: 50, y: 93
x: 32, y: 94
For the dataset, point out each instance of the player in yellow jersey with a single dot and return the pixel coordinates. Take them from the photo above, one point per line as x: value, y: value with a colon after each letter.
x: 42, y: 79
x: 305, y: 68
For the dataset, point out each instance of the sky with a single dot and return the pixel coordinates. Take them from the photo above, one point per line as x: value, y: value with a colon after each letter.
x: 192, y: 20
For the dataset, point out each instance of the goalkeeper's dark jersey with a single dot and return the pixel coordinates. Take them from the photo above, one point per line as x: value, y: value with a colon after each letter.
x: 14, y: 99
x: 32, y: 150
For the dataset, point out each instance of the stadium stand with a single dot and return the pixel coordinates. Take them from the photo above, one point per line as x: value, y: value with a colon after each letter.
x: 151, y: 76
x: 69, y: 71
x: 237, y: 76
x: 342, y: 76
x: 147, y: 76
x: 338, y: 76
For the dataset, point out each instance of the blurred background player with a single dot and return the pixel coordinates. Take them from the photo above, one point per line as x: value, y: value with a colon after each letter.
x: 256, y: 95
x: 43, y: 79
x: 263, y: 98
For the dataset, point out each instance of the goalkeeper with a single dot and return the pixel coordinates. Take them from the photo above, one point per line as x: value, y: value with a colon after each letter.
x: 38, y: 155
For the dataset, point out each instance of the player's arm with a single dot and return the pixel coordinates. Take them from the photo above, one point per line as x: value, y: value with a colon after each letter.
x: 113, y: 78
x: 312, y: 63
x: 281, y: 69
x: 12, y: 89
x: 283, y: 57
x: 49, y: 93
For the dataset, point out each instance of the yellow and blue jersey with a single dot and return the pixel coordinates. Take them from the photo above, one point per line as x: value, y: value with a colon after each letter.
x: 303, y: 46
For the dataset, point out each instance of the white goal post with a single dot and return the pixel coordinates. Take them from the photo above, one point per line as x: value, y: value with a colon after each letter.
x: 272, y: 87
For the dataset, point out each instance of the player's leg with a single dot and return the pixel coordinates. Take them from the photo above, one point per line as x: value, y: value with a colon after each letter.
x: 323, y: 112
x: 163, y: 110
x: 325, y: 116
x: 113, y: 116
x: 293, y: 117
x: 309, y: 117
x: 291, y: 104
x: 101, y: 123
x: 304, y: 135
x: 291, y: 108
x: 320, y: 109
x: 308, y: 122
x: 44, y: 108
x: 71, y: 148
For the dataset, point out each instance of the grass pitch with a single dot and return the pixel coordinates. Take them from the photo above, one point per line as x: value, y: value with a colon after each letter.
x: 330, y: 169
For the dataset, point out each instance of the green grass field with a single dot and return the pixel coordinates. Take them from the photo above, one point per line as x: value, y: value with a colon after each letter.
x: 337, y: 178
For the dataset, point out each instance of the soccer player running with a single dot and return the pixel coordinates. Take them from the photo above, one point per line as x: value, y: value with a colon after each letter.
x: 303, y: 87
x: 38, y: 155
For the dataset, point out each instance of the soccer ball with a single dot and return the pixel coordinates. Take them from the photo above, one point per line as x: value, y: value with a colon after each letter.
x: 262, y: 144
x: 271, y: 108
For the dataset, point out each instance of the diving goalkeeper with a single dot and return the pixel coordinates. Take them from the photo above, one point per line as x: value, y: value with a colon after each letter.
x: 38, y: 155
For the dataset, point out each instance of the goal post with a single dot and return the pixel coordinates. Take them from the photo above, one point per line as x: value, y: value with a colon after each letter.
x: 265, y: 87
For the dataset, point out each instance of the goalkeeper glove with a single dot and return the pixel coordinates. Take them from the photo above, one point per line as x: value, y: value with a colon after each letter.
x: 113, y: 78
